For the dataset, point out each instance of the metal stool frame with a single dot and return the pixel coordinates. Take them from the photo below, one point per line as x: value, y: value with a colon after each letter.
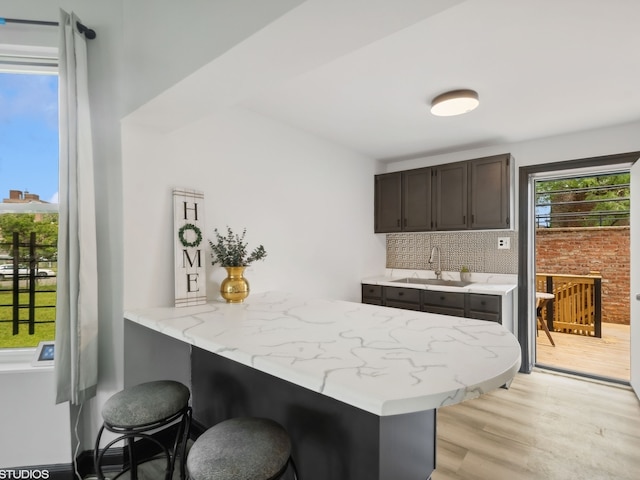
x: 140, y: 431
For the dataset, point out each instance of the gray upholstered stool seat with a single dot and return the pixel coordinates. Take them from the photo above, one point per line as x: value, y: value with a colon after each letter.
x: 244, y: 448
x: 145, y: 404
x: 137, y: 413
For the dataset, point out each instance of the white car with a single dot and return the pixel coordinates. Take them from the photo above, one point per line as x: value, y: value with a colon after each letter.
x: 6, y: 271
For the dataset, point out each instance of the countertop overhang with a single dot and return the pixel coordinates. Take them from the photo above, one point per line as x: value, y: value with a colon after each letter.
x: 383, y: 360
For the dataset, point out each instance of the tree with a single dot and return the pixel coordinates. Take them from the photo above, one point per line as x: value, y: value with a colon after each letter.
x: 45, y: 226
x: 585, y: 201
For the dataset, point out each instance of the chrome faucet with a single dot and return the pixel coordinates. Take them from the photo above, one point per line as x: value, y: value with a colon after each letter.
x: 438, y: 271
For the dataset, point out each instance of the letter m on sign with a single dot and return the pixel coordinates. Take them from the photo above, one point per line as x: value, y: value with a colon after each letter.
x: 188, y: 238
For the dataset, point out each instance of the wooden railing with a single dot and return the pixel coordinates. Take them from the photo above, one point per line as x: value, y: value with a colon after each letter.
x: 577, y: 304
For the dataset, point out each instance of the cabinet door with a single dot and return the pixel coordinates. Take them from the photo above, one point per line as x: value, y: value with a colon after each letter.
x: 451, y: 196
x: 403, y: 305
x: 388, y: 202
x: 445, y: 303
x: 490, y: 193
x: 484, y: 307
x: 399, y: 297
x: 372, y: 294
x: 416, y: 203
x: 400, y: 294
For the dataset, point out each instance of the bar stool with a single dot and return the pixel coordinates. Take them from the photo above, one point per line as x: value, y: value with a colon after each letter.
x: 133, y: 413
x: 243, y: 448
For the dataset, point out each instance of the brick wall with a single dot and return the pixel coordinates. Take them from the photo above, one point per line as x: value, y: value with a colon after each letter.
x: 579, y: 251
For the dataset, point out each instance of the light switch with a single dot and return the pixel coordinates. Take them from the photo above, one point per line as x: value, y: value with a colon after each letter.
x: 504, y: 243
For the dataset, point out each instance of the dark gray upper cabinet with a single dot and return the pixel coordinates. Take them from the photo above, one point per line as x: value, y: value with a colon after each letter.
x: 489, y: 192
x: 388, y: 202
x: 416, y: 202
x: 403, y: 201
x: 451, y: 196
x: 474, y: 194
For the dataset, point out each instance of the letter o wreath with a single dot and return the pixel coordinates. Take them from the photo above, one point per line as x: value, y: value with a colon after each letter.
x: 183, y: 240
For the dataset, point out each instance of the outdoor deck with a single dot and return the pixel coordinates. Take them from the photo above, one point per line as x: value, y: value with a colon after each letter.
x: 608, y: 356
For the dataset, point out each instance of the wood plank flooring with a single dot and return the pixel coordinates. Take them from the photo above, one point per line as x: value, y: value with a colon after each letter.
x: 545, y: 427
x: 608, y: 356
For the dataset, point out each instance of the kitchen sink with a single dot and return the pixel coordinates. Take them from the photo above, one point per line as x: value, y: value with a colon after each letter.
x: 434, y: 281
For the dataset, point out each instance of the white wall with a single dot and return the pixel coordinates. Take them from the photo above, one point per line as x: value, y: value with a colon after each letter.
x: 30, y: 420
x: 307, y: 201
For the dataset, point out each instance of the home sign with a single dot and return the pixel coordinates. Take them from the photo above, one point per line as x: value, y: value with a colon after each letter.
x: 188, y: 225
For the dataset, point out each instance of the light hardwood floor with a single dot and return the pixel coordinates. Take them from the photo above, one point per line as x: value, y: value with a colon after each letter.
x: 545, y: 427
x: 608, y: 356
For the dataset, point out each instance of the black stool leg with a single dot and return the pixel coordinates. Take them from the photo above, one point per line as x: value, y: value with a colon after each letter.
x: 97, y: 455
x: 133, y: 465
x: 186, y: 428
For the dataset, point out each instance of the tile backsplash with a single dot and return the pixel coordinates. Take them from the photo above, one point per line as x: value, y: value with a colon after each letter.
x: 477, y: 250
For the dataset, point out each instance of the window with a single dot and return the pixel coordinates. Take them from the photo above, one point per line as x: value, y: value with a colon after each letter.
x: 28, y: 198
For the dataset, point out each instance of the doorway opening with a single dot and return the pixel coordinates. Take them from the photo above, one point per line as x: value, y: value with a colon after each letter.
x: 582, y: 279
x: 527, y: 318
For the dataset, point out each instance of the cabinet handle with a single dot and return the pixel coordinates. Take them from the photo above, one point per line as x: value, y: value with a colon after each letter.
x: 400, y: 294
x: 405, y: 222
x: 398, y: 222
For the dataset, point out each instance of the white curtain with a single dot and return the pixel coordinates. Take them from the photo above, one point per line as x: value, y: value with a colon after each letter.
x: 76, y: 364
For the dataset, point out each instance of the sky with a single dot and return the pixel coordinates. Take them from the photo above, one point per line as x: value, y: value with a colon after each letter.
x: 29, y: 135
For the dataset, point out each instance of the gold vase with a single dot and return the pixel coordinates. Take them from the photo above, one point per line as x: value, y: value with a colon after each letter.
x: 234, y: 288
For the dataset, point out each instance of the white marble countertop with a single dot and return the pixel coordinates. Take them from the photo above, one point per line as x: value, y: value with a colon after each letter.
x: 382, y: 360
x: 493, y: 284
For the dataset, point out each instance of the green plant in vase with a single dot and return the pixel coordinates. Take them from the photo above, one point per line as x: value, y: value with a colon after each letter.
x: 232, y: 253
x: 465, y: 273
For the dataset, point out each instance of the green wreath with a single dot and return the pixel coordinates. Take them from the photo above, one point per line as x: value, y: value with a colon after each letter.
x: 183, y: 241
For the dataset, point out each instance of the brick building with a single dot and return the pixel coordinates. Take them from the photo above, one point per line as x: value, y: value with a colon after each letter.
x: 580, y: 251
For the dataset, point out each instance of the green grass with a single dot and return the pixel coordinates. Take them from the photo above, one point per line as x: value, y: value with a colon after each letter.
x: 43, y: 331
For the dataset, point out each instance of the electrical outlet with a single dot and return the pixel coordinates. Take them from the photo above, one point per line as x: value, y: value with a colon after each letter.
x: 504, y: 243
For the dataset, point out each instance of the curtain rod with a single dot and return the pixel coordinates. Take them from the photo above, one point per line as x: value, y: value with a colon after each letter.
x: 88, y: 33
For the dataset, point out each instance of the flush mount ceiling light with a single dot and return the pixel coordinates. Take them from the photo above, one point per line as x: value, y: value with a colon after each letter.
x: 455, y: 102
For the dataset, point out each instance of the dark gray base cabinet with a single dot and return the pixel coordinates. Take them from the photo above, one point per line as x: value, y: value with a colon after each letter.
x: 468, y: 305
x: 372, y: 294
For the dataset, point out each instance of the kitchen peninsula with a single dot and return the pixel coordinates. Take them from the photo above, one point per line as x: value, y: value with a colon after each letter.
x: 357, y: 386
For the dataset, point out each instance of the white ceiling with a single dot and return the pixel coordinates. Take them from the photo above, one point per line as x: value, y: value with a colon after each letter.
x: 362, y: 73
x: 541, y: 67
